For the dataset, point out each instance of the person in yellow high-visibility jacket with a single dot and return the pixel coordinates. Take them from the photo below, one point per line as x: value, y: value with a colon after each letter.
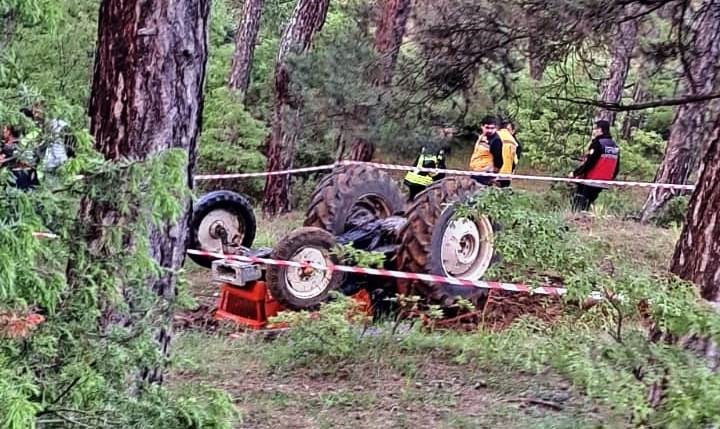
x: 416, y: 180
x: 487, y: 154
x: 510, y: 151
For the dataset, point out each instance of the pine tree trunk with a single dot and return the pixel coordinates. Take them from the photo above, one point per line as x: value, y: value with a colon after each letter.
x: 697, y: 253
x: 307, y: 19
x: 362, y: 150
x: 535, y: 61
x: 245, y: 39
x: 391, y: 23
x: 147, y: 97
x: 689, y: 126
x: 611, y: 90
x: 634, y: 120
x: 392, y: 17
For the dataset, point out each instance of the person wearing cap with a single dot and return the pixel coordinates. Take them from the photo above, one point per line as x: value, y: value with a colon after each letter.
x: 602, y: 162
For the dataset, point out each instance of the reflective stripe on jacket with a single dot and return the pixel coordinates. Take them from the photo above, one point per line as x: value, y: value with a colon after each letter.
x: 422, y: 178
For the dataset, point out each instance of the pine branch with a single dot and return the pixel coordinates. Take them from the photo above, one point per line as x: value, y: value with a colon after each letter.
x: 619, y: 107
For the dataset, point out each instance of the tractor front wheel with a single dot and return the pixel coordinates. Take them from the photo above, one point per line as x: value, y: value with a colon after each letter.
x: 304, y: 288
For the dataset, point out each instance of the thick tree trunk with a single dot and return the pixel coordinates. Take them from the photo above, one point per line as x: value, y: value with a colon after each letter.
x: 307, y: 19
x: 689, y: 126
x: 634, y: 120
x: 362, y: 150
x: 146, y: 98
x: 245, y: 38
x: 697, y: 253
x: 535, y: 60
x: 392, y: 19
x: 611, y: 89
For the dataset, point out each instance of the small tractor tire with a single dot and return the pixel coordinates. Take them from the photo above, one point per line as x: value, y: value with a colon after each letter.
x: 228, y: 209
x: 338, y: 195
x: 433, y: 242
x: 299, y: 288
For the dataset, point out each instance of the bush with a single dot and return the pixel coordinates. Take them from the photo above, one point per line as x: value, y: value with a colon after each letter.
x: 315, y: 339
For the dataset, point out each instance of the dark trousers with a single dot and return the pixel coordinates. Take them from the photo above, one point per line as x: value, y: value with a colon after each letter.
x: 25, y: 179
x: 585, y: 197
x: 484, y: 180
x: 414, y: 189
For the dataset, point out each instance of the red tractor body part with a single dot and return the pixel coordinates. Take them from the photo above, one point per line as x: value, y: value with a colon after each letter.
x: 250, y: 306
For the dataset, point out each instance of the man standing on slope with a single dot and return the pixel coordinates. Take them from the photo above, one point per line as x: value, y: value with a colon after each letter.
x: 487, y: 156
x: 601, y: 163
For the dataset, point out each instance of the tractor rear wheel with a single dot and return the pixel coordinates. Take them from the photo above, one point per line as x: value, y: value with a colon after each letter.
x: 434, y: 241
x: 343, y: 193
x: 303, y: 288
x: 217, y: 213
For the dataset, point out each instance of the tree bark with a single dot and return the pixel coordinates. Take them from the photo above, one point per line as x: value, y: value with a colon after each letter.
x: 362, y: 150
x: 241, y: 65
x: 690, y: 122
x: 147, y: 97
x: 390, y: 27
x: 307, y: 19
x: 391, y: 23
x: 536, y: 62
x: 634, y: 120
x: 697, y: 253
x: 611, y: 89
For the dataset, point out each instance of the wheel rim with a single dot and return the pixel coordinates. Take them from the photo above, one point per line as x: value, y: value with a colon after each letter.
x: 308, y: 283
x: 215, y: 221
x: 467, y: 248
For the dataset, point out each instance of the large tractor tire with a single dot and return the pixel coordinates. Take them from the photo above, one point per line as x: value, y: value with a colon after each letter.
x: 303, y: 288
x: 219, y: 211
x: 343, y: 193
x: 432, y: 241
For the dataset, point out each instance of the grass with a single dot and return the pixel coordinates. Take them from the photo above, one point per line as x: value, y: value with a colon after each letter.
x: 370, y: 391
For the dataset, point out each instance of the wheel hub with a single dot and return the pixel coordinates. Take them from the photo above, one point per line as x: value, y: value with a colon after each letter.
x: 219, y: 225
x: 466, y: 247
x: 308, y: 282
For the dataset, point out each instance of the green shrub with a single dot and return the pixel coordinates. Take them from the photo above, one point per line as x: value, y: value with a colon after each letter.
x: 315, y: 339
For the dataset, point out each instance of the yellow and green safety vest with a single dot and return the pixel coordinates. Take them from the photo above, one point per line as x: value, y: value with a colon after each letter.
x: 421, y: 178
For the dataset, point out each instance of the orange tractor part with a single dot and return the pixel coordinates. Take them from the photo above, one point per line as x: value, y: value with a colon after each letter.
x: 252, y: 305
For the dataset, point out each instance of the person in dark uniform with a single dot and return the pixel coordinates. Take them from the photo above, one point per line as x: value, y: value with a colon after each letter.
x: 601, y: 163
x: 10, y: 157
x: 416, y: 180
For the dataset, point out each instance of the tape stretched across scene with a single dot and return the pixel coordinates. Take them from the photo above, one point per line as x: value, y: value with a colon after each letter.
x: 432, y: 278
x: 451, y: 172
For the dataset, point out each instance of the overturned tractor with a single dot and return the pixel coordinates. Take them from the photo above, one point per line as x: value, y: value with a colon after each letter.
x: 363, y: 207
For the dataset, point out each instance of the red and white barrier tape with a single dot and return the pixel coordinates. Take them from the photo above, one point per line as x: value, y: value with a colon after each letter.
x: 451, y: 172
x: 390, y: 273
x: 45, y: 235
x: 521, y: 176
x: 263, y: 173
